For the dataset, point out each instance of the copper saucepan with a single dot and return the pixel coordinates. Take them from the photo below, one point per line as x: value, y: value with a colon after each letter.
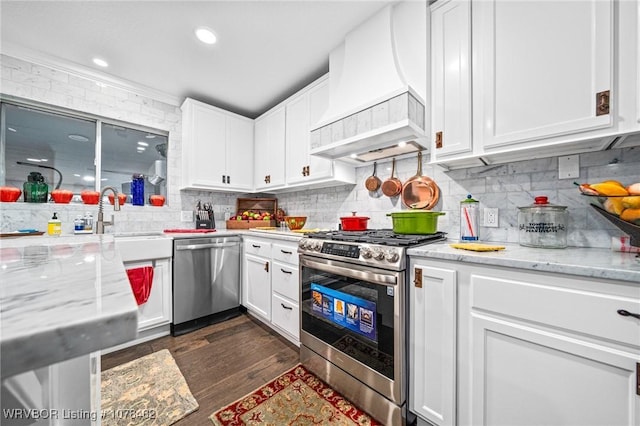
x: 420, y: 192
x: 392, y: 186
x: 373, y: 182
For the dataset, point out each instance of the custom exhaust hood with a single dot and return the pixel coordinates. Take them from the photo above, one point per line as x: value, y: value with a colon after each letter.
x: 377, y: 88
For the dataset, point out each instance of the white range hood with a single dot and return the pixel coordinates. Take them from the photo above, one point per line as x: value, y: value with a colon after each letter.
x: 378, y: 84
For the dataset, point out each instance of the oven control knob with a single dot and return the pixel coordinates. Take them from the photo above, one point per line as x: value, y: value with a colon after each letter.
x: 392, y: 256
x: 366, y: 252
x: 316, y: 246
x: 302, y: 244
x: 378, y: 255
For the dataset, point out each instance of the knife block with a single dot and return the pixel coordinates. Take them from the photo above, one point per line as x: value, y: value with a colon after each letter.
x: 205, y: 224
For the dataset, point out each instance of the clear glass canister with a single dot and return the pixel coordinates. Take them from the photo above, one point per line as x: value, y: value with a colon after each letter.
x: 469, y: 209
x: 542, y: 224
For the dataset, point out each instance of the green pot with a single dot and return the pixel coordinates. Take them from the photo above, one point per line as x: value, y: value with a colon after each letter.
x: 415, y: 222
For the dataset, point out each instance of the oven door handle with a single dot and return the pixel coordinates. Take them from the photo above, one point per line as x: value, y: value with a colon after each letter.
x: 352, y: 271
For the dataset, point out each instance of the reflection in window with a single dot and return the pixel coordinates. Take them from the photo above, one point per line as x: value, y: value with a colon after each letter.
x: 128, y: 151
x: 62, y: 149
x: 59, y: 147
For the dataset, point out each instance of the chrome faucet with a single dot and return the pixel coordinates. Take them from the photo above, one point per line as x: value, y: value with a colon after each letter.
x: 100, y: 223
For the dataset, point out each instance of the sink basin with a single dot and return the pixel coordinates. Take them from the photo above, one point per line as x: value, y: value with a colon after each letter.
x: 143, y: 247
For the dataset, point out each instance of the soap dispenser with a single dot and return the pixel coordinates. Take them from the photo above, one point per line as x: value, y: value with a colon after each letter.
x: 54, y: 226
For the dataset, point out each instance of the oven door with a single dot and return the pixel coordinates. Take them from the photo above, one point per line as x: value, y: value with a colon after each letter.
x: 353, y: 316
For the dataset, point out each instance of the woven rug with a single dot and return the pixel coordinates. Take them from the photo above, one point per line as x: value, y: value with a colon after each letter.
x: 146, y: 391
x: 297, y: 397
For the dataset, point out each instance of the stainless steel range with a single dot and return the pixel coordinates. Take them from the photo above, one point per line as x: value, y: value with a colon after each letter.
x: 353, y: 295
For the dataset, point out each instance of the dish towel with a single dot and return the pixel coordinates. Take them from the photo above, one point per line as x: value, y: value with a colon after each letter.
x: 141, y: 280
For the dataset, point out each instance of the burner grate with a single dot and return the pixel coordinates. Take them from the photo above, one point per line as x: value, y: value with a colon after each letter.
x: 379, y: 236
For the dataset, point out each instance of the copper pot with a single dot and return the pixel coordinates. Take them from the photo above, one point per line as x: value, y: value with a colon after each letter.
x: 392, y: 186
x: 373, y: 182
x: 420, y: 192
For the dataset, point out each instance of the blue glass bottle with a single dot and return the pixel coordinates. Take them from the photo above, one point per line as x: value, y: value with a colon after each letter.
x: 137, y: 190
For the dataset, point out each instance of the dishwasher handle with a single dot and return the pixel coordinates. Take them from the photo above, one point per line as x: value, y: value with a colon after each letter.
x: 206, y: 246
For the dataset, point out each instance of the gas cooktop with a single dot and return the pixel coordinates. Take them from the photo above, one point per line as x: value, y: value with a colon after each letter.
x: 385, y: 237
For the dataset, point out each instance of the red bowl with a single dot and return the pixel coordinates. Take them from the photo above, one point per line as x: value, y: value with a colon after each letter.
x: 61, y: 196
x: 10, y: 194
x: 156, y: 200
x: 122, y: 198
x: 90, y: 197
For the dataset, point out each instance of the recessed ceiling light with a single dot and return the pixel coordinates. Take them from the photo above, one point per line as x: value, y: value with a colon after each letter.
x: 103, y: 179
x: 100, y: 62
x: 89, y: 178
x: 76, y: 175
x: 205, y: 35
x: 142, y: 143
x: 44, y: 160
x: 354, y: 155
x: 11, y: 129
x: 35, y: 160
x: 79, y: 138
x: 402, y: 144
x: 150, y: 136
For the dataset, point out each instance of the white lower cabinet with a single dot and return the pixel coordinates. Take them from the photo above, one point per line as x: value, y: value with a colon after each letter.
x: 270, y: 284
x: 502, y: 346
x: 156, y: 311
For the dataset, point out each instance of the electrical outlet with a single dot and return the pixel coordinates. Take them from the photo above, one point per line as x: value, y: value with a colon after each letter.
x: 491, y: 217
x: 186, y: 216
x: 569, y: 167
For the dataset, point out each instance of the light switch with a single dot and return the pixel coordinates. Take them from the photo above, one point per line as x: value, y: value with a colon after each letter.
x: 569, y: 167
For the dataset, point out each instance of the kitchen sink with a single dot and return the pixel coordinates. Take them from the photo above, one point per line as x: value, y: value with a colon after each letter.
x: 143, y: 246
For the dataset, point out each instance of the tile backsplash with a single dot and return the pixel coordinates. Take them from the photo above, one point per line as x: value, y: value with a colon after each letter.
x: 505, y: 186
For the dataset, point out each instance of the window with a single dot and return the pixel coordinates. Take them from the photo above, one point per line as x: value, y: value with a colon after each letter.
x: 77, y: 152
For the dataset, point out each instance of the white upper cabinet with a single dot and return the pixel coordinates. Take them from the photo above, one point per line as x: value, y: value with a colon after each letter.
x: 217, y: 147
x: 283, y: 141
x: 303, y: 111
x: 543, y: 69
x: 451, y: 77
x: 269, y: 145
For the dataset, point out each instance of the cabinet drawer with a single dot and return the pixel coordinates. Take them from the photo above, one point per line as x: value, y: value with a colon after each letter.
x: 285, y: 280
x: 569, y: 308
x: 257, y: 247
x: 285, y: 315
x: 286, y: 253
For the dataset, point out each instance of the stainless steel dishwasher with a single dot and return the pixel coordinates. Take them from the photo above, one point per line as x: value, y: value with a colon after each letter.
x: 206, y: 282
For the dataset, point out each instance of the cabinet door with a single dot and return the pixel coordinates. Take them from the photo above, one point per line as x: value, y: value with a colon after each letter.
x: 258, y: 285
x: 433, y: 344
x: 527, y: 376
x: 204, y: 145
x: 239, y: 153
x: 156, y: 310
x: 451, y: 77
x: 302, y: 112
x: 540, y: 66
x: 270, y: 150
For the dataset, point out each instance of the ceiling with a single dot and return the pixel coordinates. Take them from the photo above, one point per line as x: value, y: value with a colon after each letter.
x: 266, y: 50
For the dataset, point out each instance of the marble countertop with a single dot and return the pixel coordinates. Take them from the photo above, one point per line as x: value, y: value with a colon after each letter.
x: 61, y: 297
x: 587, y: 262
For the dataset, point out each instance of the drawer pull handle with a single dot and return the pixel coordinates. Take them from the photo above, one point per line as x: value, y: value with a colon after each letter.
x: 284, y: 271
x: 286, y: 252
x: 255, y: 246
x: 628, y: 314
x: 286, y: 307
x: 266, y: 266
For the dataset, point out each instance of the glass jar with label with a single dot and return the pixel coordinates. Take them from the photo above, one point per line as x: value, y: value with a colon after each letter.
x: 542, y: 224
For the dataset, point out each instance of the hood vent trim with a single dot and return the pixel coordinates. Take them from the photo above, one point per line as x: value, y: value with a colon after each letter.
x: 380, y: 127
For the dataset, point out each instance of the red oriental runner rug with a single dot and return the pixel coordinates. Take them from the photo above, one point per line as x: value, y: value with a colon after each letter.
x: 297, y: 397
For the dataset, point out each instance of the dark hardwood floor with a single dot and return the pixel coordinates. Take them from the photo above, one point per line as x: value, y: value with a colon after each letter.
x: 221, y: 362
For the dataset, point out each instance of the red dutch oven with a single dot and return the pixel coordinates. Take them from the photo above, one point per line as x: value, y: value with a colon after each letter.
x: 354, y: 223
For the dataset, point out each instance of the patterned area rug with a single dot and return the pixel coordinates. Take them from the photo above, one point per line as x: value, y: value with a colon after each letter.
x: 146, y: 391
x: 295, y: 398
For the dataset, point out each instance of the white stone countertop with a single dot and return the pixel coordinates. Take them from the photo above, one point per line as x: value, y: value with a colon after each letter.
x: 61, y: 297
x: 587, y: 262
